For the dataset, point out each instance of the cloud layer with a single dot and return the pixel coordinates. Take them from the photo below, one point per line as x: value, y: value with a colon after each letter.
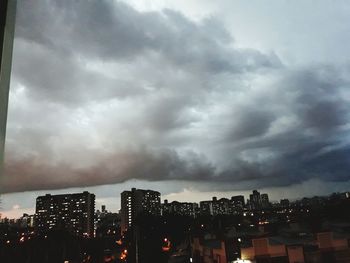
x: 103, y: 93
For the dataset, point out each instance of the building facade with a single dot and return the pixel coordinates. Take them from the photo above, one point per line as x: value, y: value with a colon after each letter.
x: 284, y: 203
x: 72, y: 212
x: 238, y: 201
x: 258, y: 201
x: 222, y: 206
x: 206, y: 208
x: 255, y: 200
x: 179, y: 208
x: 238, y: 204
x: 265, y: 202
x: 136, y: 202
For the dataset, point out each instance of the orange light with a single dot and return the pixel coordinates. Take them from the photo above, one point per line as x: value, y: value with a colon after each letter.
x: 166, y: 246
x: 165, y: 249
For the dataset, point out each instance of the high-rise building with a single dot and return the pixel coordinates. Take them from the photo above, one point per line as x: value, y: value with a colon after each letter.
x: 222, y: 206
x: 214, y: 205
x: 255, y: 200
x: 7, y: 26
x: 166, y: 208
x: 237, y: 204
x: 136, y: 202
x: 259, y: 201
x: 265, y: 202
x: 72, y: 212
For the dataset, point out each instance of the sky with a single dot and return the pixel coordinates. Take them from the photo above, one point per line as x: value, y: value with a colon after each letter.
x: 193, y: 98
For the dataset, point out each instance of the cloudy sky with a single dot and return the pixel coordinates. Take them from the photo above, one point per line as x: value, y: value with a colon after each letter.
x: 192, y: 98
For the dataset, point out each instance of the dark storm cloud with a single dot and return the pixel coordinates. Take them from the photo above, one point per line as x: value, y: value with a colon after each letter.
x: 109, y: 30
x: 33, y: 173
x: 315, y: 145
x: 124, y: 94
x: 250, y: 123
x: 319, y: 102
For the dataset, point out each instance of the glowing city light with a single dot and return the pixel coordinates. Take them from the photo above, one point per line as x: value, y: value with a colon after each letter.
x: 242, y: 261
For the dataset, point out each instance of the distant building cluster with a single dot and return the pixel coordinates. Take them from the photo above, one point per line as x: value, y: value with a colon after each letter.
x: 76, y: 212
x: 137, y: 201
x: 179, y: 208
x: 222, y: 206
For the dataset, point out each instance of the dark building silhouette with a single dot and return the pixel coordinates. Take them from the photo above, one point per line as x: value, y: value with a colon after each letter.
x: 206, y: 208
x: 107, y: 224
x: 138, y: 201
x: 255, y: 200
x: 222, y: 206
x: 265, y: 202
x: 284, y: 203
x: 258, y: 201
x: 238, y: 201
x: 237, y: 204
x: 166, y: 208
x: 72, y: 212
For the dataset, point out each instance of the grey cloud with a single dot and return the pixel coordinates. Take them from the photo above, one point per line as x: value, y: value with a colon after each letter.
x: 319, y: 101
x: 325, y: 115
x: 294, y: 153
x: 64, y: 80
x: 112, y: 31
x: 169, y: 113
x: 250, y: 123
x: 123, y: 94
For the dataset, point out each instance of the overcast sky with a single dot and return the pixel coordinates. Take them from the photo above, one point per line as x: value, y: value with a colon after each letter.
x: 192, y: 98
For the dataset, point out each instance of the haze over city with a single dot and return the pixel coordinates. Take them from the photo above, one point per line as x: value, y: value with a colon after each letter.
x: 190, y: 98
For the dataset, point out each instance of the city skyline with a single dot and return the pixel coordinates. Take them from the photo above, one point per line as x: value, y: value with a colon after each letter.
x: 194, y: 99
x: 166, y: 199
x: 67, y: 228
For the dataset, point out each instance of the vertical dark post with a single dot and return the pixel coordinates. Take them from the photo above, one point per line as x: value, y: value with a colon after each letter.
x: 7, y: 26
